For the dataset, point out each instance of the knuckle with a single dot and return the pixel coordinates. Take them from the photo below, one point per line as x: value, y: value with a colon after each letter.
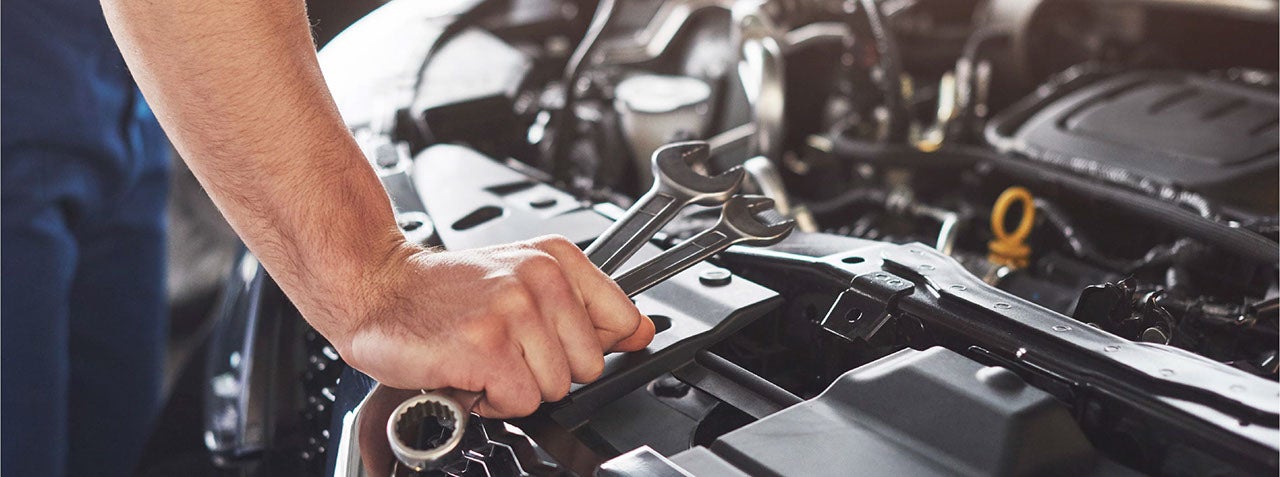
x: 542, y: 271
x: 533, y: 244
x: 527, y: 403
x: 538, y: 263
x: 621, y: 323
x: 559, y: 244
x: 516, y: 299
x: 635, y: 321
x: 561, y: 390
x: 593, y: 368
x: 485, y: 334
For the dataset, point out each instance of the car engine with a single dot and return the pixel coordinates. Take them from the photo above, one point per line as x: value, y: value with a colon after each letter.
x: 1033, y: 236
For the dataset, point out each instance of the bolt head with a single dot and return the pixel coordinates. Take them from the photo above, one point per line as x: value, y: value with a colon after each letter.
x: 715, y: 277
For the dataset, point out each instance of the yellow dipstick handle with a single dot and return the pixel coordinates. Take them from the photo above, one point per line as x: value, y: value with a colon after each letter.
x: 1009, y: 249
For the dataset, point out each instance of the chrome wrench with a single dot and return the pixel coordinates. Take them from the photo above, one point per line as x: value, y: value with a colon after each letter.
x: 739, y: 224
x: 676, y: 185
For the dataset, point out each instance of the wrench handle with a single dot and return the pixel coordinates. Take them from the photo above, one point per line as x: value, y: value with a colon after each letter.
x: 626, y: 236
x: 675, y: 260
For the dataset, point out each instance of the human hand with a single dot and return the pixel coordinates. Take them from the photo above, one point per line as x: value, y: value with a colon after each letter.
x: 518, y: 322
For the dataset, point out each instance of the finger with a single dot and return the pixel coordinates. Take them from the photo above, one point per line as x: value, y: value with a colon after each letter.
x: 469, y: 401
x: 510, y: 389
x: 638, y: 340
x: 545, y: 358
x: 535, y: 330
x: 564, y: 306
x: 612, y: 313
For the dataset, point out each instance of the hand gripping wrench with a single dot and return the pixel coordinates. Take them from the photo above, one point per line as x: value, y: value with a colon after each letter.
x: 739, y: 223
x: 675, y: 186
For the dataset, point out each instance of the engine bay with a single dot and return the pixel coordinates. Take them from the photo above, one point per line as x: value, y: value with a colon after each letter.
x: 1033, y: 236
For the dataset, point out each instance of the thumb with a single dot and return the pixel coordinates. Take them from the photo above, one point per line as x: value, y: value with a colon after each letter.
x: 639, y: 339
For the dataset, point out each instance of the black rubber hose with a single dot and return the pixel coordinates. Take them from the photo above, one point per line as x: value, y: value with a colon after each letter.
x: 762, y: 387
x: 1083, y: 248
x: 1233, y: 240
x: 1158, y: 256
x: 894, y: 155
x: 566, y: 123
x: 1080, y: 245
x: 891, y: 67
x: 460, y: 22
x: 1230, y: 239
x: 855, y: 196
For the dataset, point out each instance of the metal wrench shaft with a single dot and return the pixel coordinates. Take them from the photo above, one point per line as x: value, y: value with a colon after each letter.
x: 628, y: 234
x: 737, y: 224
x: 673, y: 261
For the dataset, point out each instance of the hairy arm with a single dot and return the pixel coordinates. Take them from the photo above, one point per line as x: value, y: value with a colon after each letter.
x: 237, y: 87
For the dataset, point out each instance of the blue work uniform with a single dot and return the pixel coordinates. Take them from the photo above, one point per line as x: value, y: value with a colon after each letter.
x: 83, y: 185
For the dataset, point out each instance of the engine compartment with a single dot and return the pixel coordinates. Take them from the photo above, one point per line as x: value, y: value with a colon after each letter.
x: 919, y: 158
x: 1036, y: 236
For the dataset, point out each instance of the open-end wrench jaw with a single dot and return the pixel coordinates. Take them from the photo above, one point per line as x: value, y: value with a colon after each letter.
x: 676, y: 184
x: 674, y: 174
x: 749, y: 218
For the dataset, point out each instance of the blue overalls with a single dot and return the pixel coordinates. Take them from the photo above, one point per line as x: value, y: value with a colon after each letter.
x: 83, y: 186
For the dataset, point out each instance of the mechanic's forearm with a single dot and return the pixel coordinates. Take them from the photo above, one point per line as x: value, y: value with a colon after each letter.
x: 237, y: 87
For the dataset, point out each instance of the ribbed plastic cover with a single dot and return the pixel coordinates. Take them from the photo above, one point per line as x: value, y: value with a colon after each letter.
x: 1204, y: 134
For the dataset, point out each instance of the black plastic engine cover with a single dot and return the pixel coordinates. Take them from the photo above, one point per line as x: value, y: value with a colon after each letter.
x: 1208, y: 135
x: 930, y: 412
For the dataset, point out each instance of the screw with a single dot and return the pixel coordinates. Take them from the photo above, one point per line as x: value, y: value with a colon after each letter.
x: 543, y: 203
x: 410, y: 225
x: 715, y: 277
x: 669, y: 386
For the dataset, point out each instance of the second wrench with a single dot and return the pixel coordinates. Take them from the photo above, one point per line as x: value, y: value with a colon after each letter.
x: 738, y: 224
x: 675, y: 185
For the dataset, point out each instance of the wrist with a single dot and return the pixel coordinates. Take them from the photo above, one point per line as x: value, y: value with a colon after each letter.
x: 366, y: 289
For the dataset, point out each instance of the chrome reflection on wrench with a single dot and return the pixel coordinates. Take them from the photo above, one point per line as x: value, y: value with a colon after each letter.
x: 675, y: 186
x: 738, y: 224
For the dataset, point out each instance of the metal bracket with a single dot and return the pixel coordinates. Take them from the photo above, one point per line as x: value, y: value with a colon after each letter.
x: 860, y: 311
